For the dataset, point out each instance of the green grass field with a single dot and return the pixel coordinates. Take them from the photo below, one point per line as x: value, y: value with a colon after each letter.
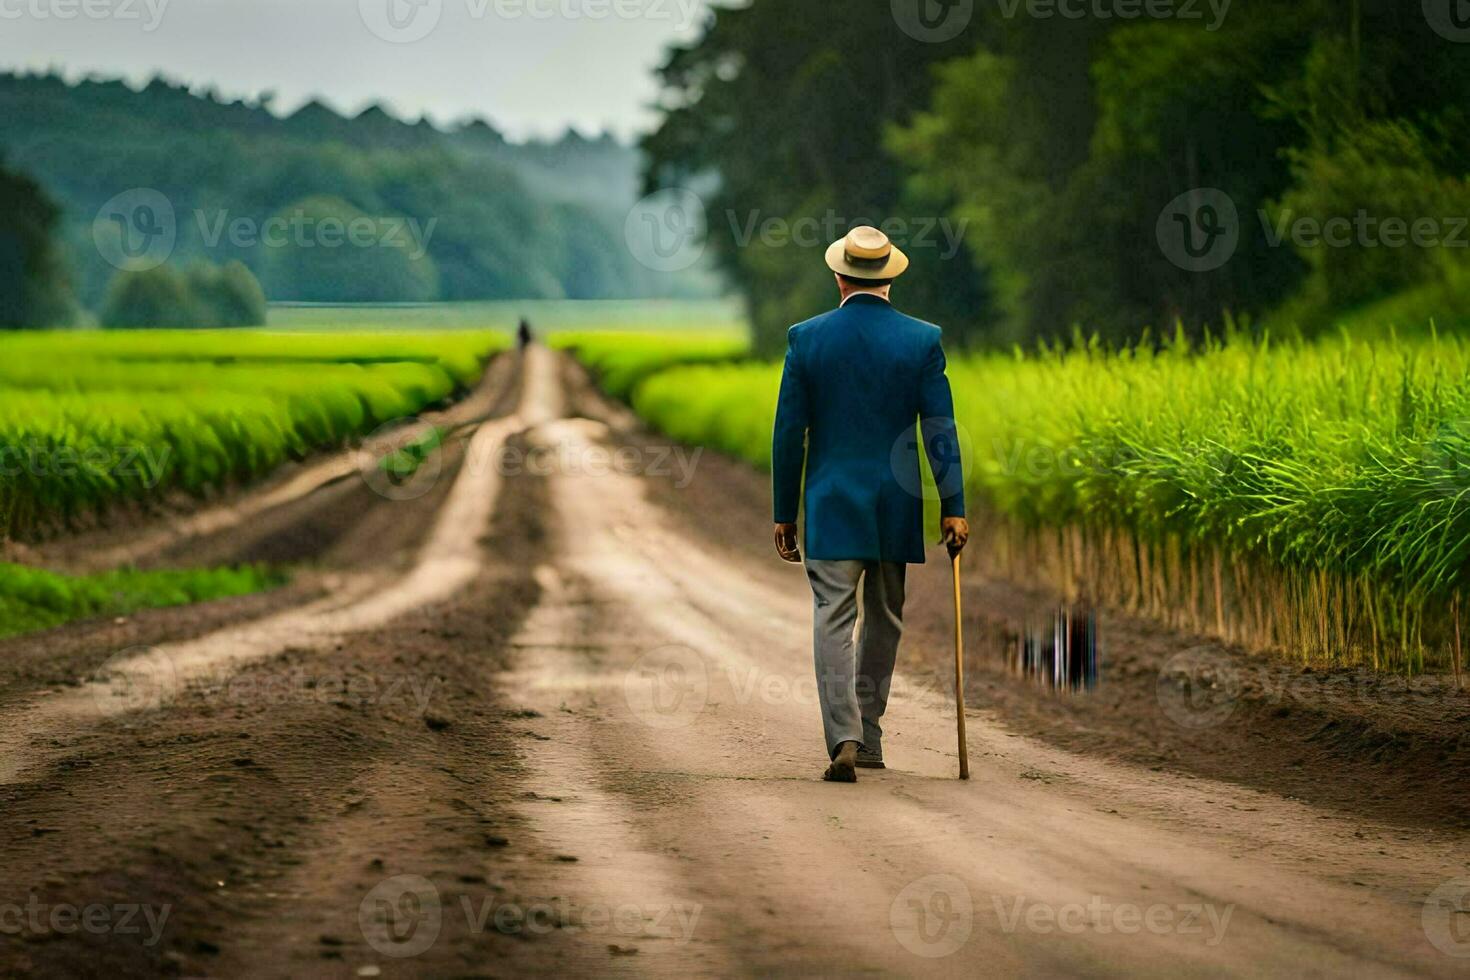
x: 91, y: 418
x: 1313, y: 499
x: 35, y: 599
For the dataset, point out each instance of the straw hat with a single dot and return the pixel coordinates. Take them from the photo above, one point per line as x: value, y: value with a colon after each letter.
x: 866, y: 253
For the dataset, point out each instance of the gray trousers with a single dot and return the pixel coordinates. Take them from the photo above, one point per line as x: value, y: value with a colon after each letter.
x: 858, y: 623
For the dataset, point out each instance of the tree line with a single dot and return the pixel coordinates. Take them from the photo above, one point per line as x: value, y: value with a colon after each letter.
x: 1298, y: 164
x: 252, y: 194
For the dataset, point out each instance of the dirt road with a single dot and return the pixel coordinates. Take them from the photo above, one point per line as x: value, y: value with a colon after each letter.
x: 541, y: 719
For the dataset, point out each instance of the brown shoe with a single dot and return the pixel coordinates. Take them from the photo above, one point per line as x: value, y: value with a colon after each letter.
x: 843, y: 767
x: 869, y: 760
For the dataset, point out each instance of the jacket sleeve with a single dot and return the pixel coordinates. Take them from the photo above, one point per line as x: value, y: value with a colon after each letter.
x: 788, y: 444
x: 940, y: 434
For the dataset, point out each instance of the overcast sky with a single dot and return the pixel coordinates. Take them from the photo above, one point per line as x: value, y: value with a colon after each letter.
x: 532, y: 67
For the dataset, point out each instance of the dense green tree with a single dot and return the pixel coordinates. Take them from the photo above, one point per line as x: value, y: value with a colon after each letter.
x: 542, y: 219
x: 325, y: 250
x: 157, y: 297
x: 775, y: 117
x: 1091, y: 159
x: 229, y: 295
x: 33, y: 282
x: 200, y: 296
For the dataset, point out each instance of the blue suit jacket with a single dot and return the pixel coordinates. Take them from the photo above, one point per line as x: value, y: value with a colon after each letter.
x: 856, y: 382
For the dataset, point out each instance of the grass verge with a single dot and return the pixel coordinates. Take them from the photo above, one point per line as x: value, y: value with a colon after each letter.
x: 35, y: 599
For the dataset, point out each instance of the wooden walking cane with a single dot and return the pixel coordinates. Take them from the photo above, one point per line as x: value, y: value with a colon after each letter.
x: 959, y: 671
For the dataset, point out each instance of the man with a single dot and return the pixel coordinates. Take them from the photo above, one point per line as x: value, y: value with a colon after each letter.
x: 856, y: 381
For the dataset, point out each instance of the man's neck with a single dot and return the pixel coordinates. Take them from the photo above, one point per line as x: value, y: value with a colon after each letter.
x: 875, y: 293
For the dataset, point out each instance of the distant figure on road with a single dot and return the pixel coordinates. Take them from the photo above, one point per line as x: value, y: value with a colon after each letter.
x: 856, y: 381
x: 523, y: 333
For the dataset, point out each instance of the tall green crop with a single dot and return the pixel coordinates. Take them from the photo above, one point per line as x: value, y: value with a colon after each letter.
x: 1314, y: 498
x: 89, y: 418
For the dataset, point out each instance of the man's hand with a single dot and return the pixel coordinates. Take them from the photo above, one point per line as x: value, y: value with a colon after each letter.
x: 956, y: 534
x: 786, y: 543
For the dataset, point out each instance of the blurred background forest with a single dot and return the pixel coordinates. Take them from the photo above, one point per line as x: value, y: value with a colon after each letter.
x: 535, y: 219
x: 1056, y: 143
x: 1029, y: 157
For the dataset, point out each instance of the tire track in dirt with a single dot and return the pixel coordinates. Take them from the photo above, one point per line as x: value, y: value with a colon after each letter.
x: 261, y: 808
x: 448, y: 561
x: 721, y: 811
x: 278, y: 501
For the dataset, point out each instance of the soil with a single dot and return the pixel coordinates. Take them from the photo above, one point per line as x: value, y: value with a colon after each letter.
x: 555, y: 716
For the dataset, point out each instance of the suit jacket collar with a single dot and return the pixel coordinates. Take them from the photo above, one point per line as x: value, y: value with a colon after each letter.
x: 865, y: 299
